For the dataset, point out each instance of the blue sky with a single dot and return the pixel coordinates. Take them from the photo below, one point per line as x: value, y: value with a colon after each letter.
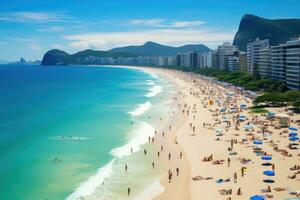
x: 28, y: 28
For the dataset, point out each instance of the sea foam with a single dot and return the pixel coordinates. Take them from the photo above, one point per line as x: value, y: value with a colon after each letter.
x: 87, y: 188
x: 138, y: 137
x: 156, y: 89
x: 151, y: 191
x: 141, y: 109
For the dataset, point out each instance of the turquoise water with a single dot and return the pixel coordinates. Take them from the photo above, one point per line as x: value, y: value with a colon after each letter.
x: 66, y: 130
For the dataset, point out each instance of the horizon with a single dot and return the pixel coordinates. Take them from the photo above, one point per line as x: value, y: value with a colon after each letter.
x: 31, y: 29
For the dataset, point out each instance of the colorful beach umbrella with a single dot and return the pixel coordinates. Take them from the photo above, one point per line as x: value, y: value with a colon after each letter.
x: 293, y: 129
x: 269, y: 173
x: 257, y: 197
x: 266, y: 157
x: 257, y: 142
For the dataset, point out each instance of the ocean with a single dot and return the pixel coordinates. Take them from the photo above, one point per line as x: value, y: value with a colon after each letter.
x: 67, y: 132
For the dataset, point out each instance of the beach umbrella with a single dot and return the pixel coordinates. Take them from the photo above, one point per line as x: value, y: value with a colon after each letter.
x: 293, y: 129
x: 249, y: 126
x: 219, y: 130
x: 257, y: 142
x: 266, y: 157
x: 222, y: 110
x: 269, y: 173
x: 292, y: 134
x: 294, y: 138
x: 257, y: 197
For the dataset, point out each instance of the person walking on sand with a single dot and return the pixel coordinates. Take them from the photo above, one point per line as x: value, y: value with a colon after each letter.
x: 152, y: 165
x: 128, y: 191
x: 145, y: 152
x: 180, y: 155
x: 235, y: 177
x: 158, y: 154
x: 126, y: 167
x: 243, y: 171
x: 228, y: 162
x: 273, y: 167
x: 177, y: 171
x: 161, y: 148
x: 169, y: 156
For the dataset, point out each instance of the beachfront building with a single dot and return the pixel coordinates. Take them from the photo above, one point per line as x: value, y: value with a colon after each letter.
x: 253, y: 52
x: 233, y: 63
x: 242, y: 61
x: 224, y: 51
x: 292, y: 49
x: 278, y: 63
x: 264, y: 62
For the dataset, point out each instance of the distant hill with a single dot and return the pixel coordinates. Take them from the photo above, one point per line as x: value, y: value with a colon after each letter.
x: 58, y: 57
x: 22, y: 61
x: 277, y: 31
x: 155, y: 49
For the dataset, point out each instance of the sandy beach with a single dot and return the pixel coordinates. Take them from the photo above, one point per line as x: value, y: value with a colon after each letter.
x: 219, y: 159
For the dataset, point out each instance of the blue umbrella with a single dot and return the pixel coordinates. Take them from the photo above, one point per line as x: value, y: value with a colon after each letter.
x: 294, y: 138
x: 293, y: 129
x: 257, y: 142
x: 269, y: 173
x: 222, y: 110
x: 271, y: 114
x: 257, y: 197
x: 250, y: 126
x: 266, y: 157
x: 292, y: 134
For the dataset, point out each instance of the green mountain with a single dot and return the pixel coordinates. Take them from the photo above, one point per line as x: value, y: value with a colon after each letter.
x: 277, y: 31
x: 58, y: 57
x: 155, y: 49
x: 86, y: 57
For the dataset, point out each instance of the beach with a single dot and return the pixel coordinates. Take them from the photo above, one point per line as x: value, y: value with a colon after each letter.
x: 219, y: 157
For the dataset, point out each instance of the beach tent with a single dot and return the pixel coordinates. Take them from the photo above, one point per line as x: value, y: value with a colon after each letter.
x: 257, y: 197
x: 269, y: 173
x: 283, y: 120
x: 293, y: 129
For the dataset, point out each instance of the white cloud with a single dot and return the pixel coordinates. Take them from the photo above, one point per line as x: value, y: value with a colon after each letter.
x: 52, y: 29
x: 183, y: 24
x: 174, y: 37
x: 33, y: 17
x: 147, y: 22
x: 162, y: 23
x: 35, y: 47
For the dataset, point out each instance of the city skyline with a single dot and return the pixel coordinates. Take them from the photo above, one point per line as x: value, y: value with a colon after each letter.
x: 29, y: 29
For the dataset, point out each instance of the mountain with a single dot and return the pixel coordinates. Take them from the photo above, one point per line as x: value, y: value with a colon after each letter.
x: 155, y: 49
x: 22, y: 61
x: 58, y: 57
x: 277, y: 31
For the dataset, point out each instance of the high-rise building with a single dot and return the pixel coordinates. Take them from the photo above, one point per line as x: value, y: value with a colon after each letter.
x: 242, y: 61
x: 264, y: 62
x: 224, y: 51
x: 253, y: 52
x: 278, y: 63
x: 233, y: 63
x: 293, y: 64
